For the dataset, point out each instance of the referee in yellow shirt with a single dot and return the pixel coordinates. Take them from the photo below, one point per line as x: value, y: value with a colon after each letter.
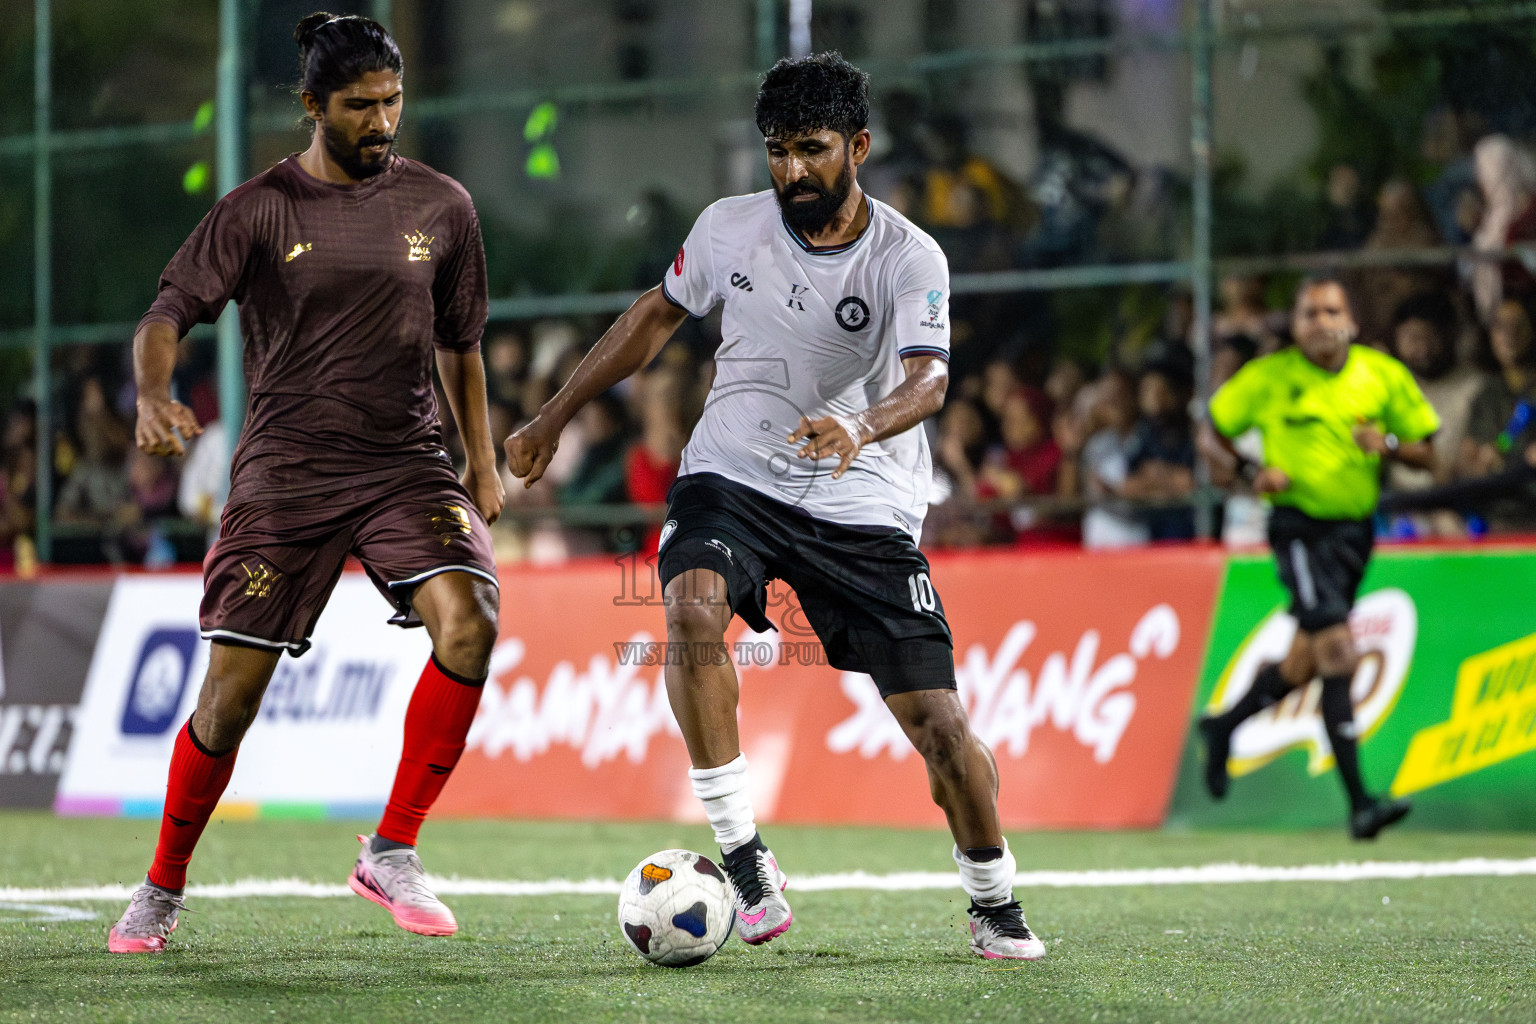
x: 1329, y: 412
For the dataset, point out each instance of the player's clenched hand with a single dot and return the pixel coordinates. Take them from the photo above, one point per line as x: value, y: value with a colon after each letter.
x: 159, y: 420
x: 530, y: 449
x: 1271, y: 481
x: 486, y: 491
x: 839, y: 437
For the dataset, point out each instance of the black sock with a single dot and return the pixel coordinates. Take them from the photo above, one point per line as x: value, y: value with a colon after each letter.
x: 1268, y: 688
x: 1339, y: 719
x: 378, y: 844
x: 746, y: 849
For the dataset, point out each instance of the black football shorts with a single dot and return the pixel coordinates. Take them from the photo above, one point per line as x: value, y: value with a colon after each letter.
x: 271, y: 572
x: 865, y: 591
x: 1321, y: 562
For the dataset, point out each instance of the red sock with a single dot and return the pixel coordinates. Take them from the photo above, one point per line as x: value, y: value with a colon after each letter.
x: 436, y: 723
x: 197, y: 780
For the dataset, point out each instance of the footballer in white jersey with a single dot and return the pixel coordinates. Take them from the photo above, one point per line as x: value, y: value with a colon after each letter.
x: 809, y: 465
x: 812, y: 331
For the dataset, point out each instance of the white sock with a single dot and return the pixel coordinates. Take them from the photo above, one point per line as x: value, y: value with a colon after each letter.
x: 724, y: 793
x: 990, y: 881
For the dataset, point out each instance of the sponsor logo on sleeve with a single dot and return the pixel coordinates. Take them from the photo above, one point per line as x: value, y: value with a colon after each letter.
x: 935, y: 310
x: 677, y: 264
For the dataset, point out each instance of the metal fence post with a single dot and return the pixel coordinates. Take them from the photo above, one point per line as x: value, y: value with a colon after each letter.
x: 42, y: 269
x: 1200, y: 243
x: 767, y: 33
x: 799, y: 28
x: 232, y: 160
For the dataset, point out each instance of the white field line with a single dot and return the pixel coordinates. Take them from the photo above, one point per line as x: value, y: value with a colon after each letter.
x: 1209, y: 874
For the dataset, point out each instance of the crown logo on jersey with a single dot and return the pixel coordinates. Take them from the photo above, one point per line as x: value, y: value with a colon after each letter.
x: 450, y: 521
x: 259, y: 580
x: 421, y: 247
x: 298, y: 250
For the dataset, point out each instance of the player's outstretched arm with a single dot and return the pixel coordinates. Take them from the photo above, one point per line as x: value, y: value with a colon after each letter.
x: 633, y: 340
x: 914, y: 400
x: 463, y: 376
x: 160, y: 415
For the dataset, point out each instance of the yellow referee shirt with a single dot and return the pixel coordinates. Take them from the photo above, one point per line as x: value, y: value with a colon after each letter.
x: 1307, y: 417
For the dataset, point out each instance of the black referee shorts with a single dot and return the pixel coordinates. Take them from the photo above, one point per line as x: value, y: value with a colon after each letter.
x: 1321, y: 562
x: 865, y: 591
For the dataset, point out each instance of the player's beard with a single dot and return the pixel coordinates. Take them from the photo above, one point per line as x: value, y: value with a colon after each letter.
x: 349, y: 155
x: 810, y: 218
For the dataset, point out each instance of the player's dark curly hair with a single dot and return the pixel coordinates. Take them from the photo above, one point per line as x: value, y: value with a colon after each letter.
x: 810, y: 94
x: 335, y: 51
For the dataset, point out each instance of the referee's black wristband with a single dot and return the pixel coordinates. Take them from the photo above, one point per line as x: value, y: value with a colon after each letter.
x: 1248, y: 469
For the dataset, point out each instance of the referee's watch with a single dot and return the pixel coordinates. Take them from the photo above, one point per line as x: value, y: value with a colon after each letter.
x: 1392, y: 443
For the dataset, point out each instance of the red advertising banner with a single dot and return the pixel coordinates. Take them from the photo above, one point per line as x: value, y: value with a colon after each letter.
x: 1077, y: 669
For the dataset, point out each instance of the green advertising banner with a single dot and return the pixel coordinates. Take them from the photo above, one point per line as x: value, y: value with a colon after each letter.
x: 1445, y: 697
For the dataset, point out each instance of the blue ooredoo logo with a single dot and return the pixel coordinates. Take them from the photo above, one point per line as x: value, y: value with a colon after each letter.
x: 159, y: 680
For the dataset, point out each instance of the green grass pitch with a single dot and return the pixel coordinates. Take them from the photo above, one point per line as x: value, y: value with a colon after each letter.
x: 1442, y: 950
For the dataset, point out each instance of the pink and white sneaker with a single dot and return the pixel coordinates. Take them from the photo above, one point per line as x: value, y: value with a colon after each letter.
x: 395, y: 881
x: 762, y: 913
x: 998, y: 932
x: 148, y: 921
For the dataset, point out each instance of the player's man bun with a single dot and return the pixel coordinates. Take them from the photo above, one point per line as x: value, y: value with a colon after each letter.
x: 335, y: 51
x: 810, y: 94
x: 304, y: 31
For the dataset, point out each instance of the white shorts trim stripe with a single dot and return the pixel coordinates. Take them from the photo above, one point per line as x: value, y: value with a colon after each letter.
x: 1304, y: 582
x: 419, y: 577
x: 276, y: 645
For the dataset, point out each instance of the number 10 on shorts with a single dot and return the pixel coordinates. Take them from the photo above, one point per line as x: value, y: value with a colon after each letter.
x: 923, y: 597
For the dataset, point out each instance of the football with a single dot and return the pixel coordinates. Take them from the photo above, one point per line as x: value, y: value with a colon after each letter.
x: 677, y: 908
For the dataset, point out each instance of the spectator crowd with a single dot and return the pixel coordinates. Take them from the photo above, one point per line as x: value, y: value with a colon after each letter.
x: 1032, y: 447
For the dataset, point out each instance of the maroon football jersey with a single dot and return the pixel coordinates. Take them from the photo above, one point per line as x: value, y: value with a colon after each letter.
x: 343, y: 292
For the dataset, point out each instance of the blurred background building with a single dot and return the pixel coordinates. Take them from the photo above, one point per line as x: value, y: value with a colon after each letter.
x: 1127, y: 190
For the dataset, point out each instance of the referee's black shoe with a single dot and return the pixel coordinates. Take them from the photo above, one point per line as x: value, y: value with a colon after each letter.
x: 1218, y: 746
x: 1366, y: 822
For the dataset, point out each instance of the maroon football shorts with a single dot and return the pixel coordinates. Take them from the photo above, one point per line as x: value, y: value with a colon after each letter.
x: 269, y: 575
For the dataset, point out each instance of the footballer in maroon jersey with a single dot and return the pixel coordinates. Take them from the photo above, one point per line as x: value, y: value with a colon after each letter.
x: 355, y: 270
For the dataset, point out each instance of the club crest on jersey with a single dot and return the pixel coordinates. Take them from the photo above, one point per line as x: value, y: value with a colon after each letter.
x: 298, y: 250
x: 420, y: 247
x: 852, y: 314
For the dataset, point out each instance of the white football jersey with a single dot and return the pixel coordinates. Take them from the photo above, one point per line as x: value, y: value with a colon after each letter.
x: 812, y: 332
